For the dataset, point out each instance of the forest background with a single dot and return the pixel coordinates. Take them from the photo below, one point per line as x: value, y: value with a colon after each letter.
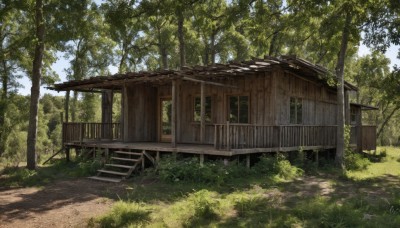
x: 116, y: 36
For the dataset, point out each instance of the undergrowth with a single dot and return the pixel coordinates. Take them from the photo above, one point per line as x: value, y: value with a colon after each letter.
x: 171, y: 169
x: 266, y: 195
x: 58, y: 169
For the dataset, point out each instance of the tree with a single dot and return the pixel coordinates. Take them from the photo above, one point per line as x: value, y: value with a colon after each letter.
x: 35, y: 89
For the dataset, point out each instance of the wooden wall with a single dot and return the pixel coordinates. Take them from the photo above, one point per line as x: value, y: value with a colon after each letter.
x: 140, y: 109
x: 318, y: 102
x: 269, y: 96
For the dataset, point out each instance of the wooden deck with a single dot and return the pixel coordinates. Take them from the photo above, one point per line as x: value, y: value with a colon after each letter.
x: 185, y: 148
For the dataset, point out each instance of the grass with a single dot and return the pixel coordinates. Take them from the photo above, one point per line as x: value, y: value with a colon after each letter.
x: 363, y: 198
x: 44, y: 174
x: 390, y: 165
x: 272, y: 194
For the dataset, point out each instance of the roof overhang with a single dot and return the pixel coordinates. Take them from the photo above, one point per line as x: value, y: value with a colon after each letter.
x: 213, y: 74
x: 364, y: 107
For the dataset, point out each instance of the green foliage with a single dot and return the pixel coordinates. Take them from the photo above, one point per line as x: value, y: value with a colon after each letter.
x: 278, y: 166
x: 21, y: 177
x: 189, y: 170
x: 125, y: 214
x: 171, y: 169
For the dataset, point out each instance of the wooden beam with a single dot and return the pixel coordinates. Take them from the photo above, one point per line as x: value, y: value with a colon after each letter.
x: 202, y: 113
x: 173, y: 114
x: 209, y: 83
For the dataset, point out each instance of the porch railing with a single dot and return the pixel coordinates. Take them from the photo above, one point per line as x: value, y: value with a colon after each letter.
x: 241, y: 136
x: 79, y: 132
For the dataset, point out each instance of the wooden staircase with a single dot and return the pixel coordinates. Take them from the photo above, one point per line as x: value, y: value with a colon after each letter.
x: 123, y: 164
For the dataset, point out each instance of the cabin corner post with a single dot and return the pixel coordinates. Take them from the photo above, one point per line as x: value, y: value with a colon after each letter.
x: 202, y: 113
x: 106, y: 113
x: 64, y: 125
x: 347, y: 107
x: 173, y: 113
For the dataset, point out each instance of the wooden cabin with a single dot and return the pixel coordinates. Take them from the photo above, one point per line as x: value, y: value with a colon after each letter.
x: 258, y: 106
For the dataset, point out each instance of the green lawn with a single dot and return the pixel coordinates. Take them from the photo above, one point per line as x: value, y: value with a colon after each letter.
x: 323, y: 198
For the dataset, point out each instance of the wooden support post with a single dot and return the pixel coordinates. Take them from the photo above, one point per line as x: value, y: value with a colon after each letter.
x: 66, y: 106
x: 106, y: 153
x: 202, y: 113
x: 157, y: 158
x: 228, y: 147
x: 143, y: 159
x: 81, y: 133
x: 106, y: 113
x: 67, y: 152
x: 173, y: 114
x: 347, y: 107
x: 201, y: 160
x: 317, y: 158
x: 248, y: 160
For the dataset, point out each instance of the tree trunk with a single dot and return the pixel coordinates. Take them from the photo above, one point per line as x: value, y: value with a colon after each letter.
x: 340, y: 94
x: 35, y: 89
x: 3, y: 108
x: 181, y: 37
x: 164, y: 57
x: 272, y: 49
x: 73, y: 106
x: 212, y: 48
x: 387, y: 120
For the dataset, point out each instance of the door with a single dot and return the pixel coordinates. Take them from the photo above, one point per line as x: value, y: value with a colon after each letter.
x: 165, y: 119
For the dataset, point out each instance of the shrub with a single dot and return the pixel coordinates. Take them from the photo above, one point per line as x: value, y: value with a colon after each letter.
x: 277, y: 166
x: 124, y: 214
x: 190, y: 170
x: 355, y: 161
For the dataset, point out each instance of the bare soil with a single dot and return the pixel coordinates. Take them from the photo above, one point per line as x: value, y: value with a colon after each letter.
x: 71, y: 203
x: 67, y: 203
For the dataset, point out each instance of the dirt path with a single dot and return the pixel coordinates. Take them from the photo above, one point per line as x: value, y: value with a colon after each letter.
x: 67, y: 203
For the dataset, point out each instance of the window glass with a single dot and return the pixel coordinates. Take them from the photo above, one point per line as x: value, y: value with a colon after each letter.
x: 292, y: 110
x: 353, y: 116
x: 239, y: 109
x: 296, y: 110
x: 299, y: 111
x: 197, y: 109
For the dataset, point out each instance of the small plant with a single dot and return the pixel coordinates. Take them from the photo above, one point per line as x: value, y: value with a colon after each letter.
x: 124, y: 214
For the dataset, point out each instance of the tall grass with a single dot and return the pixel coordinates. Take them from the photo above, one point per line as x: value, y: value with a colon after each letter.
x: 260, y: 198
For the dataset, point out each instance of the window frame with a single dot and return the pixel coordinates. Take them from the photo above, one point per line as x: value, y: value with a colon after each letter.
x: 238, y: 107
x: 298, y: 116
x: 194, y: 109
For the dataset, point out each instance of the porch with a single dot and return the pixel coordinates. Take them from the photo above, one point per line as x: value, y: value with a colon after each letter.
x: 229, y: 139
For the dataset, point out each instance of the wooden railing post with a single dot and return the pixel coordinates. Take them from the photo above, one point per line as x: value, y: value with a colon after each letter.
x: 227, y: 136
x: 215, y: 136
x: 81, y: 132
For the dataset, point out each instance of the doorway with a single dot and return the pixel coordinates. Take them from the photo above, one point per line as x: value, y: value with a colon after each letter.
x: 165, y: 119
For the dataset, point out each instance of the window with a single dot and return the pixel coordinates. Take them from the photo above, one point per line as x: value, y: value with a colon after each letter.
x: 296, y: 110
x: 353, y: 116
x: 239, y: 109
x: 197, y: 109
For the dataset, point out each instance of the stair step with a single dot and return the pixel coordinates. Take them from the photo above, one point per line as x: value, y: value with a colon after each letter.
x: 107, y: 179
x: 125, y: 159
x: 119, y: 166
x: 129, y: 153
x: 111, y: 172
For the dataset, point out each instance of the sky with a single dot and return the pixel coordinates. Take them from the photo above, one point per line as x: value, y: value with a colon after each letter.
x: 61, y: 64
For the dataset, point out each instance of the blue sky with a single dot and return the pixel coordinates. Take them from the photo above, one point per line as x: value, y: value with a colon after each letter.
x: 63, y: 64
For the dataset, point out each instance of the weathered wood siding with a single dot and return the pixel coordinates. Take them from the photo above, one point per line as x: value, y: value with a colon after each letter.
x: 258, y: 88
x: 140, y: 109
x: 269, y: 97
x: 318, y: 102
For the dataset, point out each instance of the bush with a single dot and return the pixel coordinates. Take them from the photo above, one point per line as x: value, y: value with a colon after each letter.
x: 124, y: 214
x: 355, y: 161
x: 277, y: 166
x: 173, y: 170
